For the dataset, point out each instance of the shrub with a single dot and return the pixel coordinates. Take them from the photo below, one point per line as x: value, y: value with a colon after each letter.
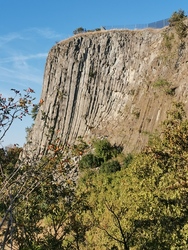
x: 170, y: 91
x: 181, y: 29
x: 78, y: 30
x: 128, y: 159
x: 110, y: 167
x: 34, y: 111
x: 176, y: 21
x: 168, y: 41
x: 103, y: 149
x: 166, y: 86
x: 161, y: 83
x: 116, y: 150
x: 89, y: 161
x: 176, y: 17
x: 136, y: 113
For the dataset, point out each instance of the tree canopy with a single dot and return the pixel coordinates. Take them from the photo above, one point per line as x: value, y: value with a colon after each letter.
x: 140, y: 202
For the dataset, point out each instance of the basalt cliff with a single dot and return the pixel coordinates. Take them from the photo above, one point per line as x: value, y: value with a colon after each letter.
x: 117, y: 84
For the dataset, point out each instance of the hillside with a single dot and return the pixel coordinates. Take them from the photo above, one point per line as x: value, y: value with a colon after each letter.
x: 117, y: 84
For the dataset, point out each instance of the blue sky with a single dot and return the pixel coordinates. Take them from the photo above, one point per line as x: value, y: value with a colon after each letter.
x: 28, y: 29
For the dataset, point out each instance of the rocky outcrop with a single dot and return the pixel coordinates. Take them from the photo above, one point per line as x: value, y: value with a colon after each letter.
x: 118, y: 84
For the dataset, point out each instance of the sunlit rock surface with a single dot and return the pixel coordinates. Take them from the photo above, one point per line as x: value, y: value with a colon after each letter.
x: 110, y: 84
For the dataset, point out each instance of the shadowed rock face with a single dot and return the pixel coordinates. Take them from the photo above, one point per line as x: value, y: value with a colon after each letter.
x: 103, y: 84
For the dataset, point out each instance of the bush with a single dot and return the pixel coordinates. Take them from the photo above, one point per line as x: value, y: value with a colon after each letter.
x: 176, y: 20
x: 110, y: 167
x: 166, y: 86
x: 176, y: 17
x: 116, y: 150
x: 168, y: 41
x: 78, y: 30
x: 161, y: 83
x: 103, y: 149
x: 181, y: 30
x: 128, y: 159
x: 89, y: 161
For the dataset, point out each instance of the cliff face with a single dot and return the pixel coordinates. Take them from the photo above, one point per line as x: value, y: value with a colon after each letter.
x: 117, y: 84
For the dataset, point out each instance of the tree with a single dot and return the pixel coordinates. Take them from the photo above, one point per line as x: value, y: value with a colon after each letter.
x: 8, y: 158
x: 112, y: 210
x: 39, y: 206
x: 48, y: 217
x: 103, y: 149
x: 176, y: 17
x: 12, y: 108
x: 177, y: 21
x: 78, y: 30
x: 161, y: 172
x: 110, y: 167
x: 141, y: 206
x: 89, y: 161
x: 144, y: 206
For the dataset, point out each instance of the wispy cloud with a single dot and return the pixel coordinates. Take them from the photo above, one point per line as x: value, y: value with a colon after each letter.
x: 22, y: 68
x: 20, y: 77
x: 45, y: 33
x: 23, y: 54
x: 23, y: 58
x: 10, y: 37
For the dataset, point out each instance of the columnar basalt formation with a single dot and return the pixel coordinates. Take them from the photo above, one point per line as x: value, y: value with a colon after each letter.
x: 104, y: 84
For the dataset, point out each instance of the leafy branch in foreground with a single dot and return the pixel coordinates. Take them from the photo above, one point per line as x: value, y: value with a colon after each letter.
x: 39, y: 208
x: 15, y: 107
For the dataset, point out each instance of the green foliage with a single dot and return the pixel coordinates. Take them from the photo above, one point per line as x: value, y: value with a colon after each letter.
x: 143, y: 206
x: 34, y: 111
x: 103, y: 152
x: 110, y: 167
x: 166, y: 86
x: 90, y: 161
x: 168, y: 41
x: 78, y: 30
x: 128, y: 160
x: 176, y: 17
x: 177, y: 21
x: 93, y: 30
x: 161, y: 83
x: 8, y: 159
x: 48, y: 211
x: 170, y: 91
x: 163, y: 167
x: 103, y: 149
x: 15, y: 107
x: 181, y: 29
